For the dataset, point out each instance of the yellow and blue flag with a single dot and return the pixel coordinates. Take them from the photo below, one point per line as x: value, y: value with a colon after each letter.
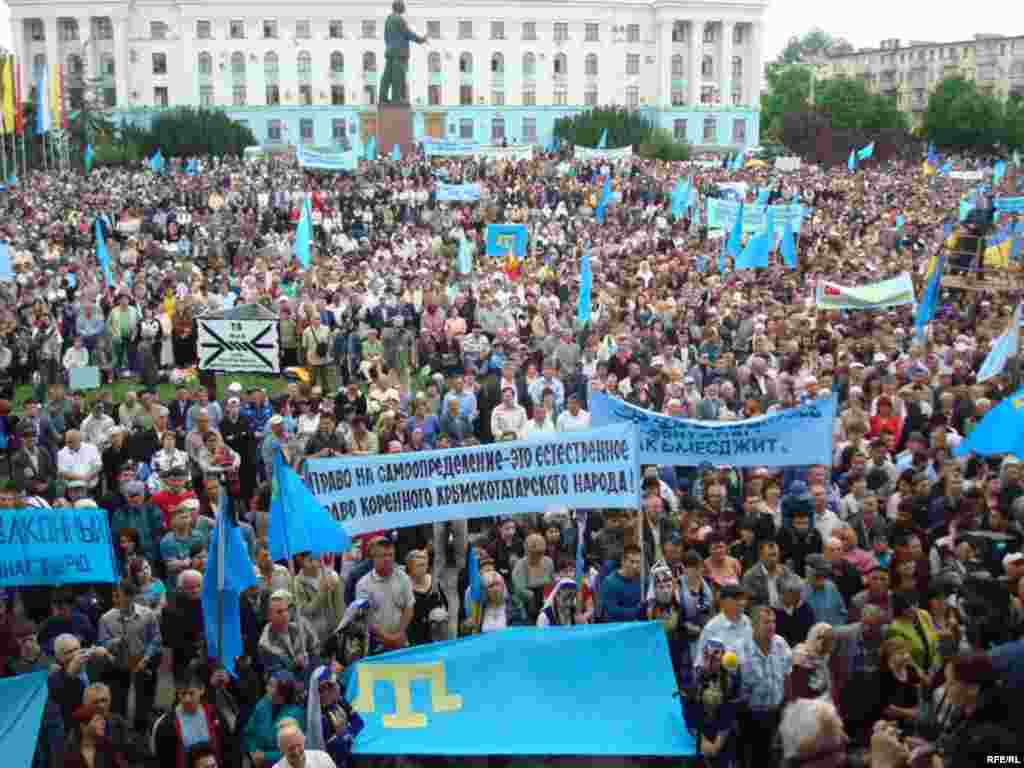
x: 1001, y: 431
x: 298, y: 522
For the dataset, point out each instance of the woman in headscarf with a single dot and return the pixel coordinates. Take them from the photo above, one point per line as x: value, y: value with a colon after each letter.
x: 331, y: 723
x: 498, y: 610
x: 560, y: 606
x: 712, y: 706
x: 813, y: 674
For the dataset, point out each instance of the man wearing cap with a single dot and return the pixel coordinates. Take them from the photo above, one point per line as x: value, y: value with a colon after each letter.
x: 33, y: 467
x: 730, y: 626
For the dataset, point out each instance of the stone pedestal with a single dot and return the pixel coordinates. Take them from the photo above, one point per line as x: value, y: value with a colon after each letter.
x: 394, y: 126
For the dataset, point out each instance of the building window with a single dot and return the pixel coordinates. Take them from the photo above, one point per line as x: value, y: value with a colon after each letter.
x: 632, y: 64
x: 337, y: 63
x: 709, y: 33
x: 160, y: 98
x: 632, y: 33
x: 561, y: 65
x: 273, y: 95
x: 38, y: 66
x: 302, y: 30
x: 434, y: 63
x: 369, y: 29
x: 707, y: 67
x: 306, y: 94
x: 529, y: 30
x: 76, y: 97
x: 271, y: 69
x: 157, y: 30
x: 338, y: 95
x: 498, y: 98
x: 74, y: 65
x: 206, y: 96
x: 529, y: 98
x: 739, y: 131
x: 466, y: 95
x: 339, y: 130
x: 110, y: 97
x: 591, y: 32
x: 335, y: 29
x: 561, y: 31
x: 304, y: 66
x: 633, y: 97
x: 590, y: 65
x: 270, y: 29
x: 369, y: 62
x: 590, y: 97
x: 497, y: 30
x: 465, y: 30
x: 677, y: 66
x: 204, y: 30
x: 306, y: 130
x: 497, y: 130
x: 236, y: 29
x: 370, y: 94
x: 737, y: 35
x: 238, y: 95
x: 710, y: 130
x: 529, y: 66
x: 434, y: 95
x: 68, y: 30
x: 678, y: 98
x: 274, y: 130
x: 498, y: 64
x: 529, y: 129
x: 108, y: 68
x: 466, y: 63
x: 679, y: 32
x: 707, y: 94
x: 737, y: 67
x: 238, y: 65
x: 159, y: 63
x: 561, y: 97
x: 679, y: 129
x: 466, y: 128
x: 434, y: 30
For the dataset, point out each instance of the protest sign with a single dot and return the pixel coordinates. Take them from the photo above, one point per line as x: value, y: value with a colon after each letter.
x: 887, y: 293
x: 55, y: 546
x: 324, y: 161
x: 238, y: 345
x: 787, y: 164
x: 794, y: 437
x: 966, y: 175
x: 596, y: 468
x: 458, y: 193
x: 511, y: 153
x: 721, y: 214
x: 611, y: 155
x: 84, y: 377
x: 507, y: 239
x: 450, y: 148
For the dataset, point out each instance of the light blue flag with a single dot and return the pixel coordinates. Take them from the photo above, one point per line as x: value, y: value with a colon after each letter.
x: 755, y: 255
x: 156, y: 162
x: 998, y: 172
x: 788, y: 245
x: 12, y: 180
x: 396, y: 153
x: 702, y: 263
x: 1015, y: 247
x: 465, y: 257
x: 371, y: 148
x: 602, y: 204
x: 229, y: 572
x: 737, y: 162
x: 734, y: 246
x: 192, y: 167
x: 900, y: 221
x: 6, y: 267
x: 602, y: 143
x: 722, y: 252
x: 933, y: 157
x: 930, y: 299
x: 586, y: 286
x: 680, y: 198
x: 446, y: 691
x: 864, y: 153
x: 103, y: 256
x: 304, y: 237
x: 1001, y: 431
x: 56, y: 546
x: 1004, y: 348
x: 851, y: 163
x: 88, y: 158
x: 24, y: 698
x: 582, y: 519
x: 947, y: 229
x: 947, y: 168
x: 44, y: 120
x: 763, y: 195
x: 505, y: 240
x: 474, y: 606
x: 298, y: 522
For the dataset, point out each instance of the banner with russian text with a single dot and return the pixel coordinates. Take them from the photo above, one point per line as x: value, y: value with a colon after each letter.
x: 592, y: 469
x: 510, y: 153
x: 1008, y: 205
x: 721, y: 214
x: 794, y: 437
x: 450, y: 148
x: 966, y: 175
x: 887, y: 293
x: 458, y: 193
x: 611, y: 155
x: 55, y: 546
x: 324, y: 161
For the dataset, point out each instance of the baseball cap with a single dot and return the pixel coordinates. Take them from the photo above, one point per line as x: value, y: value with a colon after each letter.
x: 1013, y: 557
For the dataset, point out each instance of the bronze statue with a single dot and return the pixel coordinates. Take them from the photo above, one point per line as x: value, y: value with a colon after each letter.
x: 393, y: 87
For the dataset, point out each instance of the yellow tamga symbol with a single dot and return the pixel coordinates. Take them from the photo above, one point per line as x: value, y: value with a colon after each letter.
x: 400, y: 677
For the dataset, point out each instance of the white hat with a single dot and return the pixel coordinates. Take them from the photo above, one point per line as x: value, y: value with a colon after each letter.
x: 1013, y: 557
x: 274, y: 420
x: 234, y: 387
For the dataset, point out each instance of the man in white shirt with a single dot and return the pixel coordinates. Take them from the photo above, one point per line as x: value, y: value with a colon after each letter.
x: 507, y: 416
x: 79, y: 461
x: 574, y: 418
x: 389, y: 591
x: 292, y: 744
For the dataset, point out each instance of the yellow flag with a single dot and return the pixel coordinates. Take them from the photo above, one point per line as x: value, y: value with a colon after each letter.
x: 8, y: 103
x: 56, y: 98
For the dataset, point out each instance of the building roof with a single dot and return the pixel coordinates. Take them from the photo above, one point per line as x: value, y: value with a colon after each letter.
x: 915, y: 44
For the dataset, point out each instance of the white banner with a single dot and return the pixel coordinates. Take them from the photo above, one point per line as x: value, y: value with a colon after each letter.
x: 612, y: 155
x: 966, y: 175
x: 511, y: 154
x: 787, y: 164
x: 706, y: 163
x: 239, y: 346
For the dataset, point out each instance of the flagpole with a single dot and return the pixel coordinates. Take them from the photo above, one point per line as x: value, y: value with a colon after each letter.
x: 221, y: 554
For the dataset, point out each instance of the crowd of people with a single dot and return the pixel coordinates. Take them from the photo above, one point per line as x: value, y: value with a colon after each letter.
x: 872, y: 609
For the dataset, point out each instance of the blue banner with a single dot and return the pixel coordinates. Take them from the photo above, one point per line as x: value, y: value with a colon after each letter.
x: 596, y: 468
x: 24, y: 700
x: 608, y: 689
x: 458, y: 193
x: 721, y: 214
x: 6, y: 266
x: 1010, y: 204
x: 795, y: 437
x: 450, y: 148
x: 55, y: 546
x: 322, y: 161
x: 505, y: 239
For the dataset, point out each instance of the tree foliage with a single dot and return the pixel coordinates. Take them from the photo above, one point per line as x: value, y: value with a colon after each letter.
x: 802, y: 49
x: 625, y: 127
x: 851, y: 107
x: 960, y: 116
x: 188, y: 131
x: 1013, y: 123
x: 662, y: 145
x: 811, y: 134
x: 789, y: 89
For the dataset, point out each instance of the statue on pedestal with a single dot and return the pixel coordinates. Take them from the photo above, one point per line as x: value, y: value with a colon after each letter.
x: 393, y: 86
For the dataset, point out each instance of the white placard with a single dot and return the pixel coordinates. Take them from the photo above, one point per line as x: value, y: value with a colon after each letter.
x: 250, y: 346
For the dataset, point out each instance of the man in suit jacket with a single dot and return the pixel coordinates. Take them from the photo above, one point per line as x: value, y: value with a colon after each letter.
x: 34, y: 468
x: 178, y: 415
x: 764, y: 581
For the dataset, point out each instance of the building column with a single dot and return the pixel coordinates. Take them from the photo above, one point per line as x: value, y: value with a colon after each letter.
x: 664, y: 97
x: 23, y: 60
x: 121, y: 62
x: 725, y: 76
x: 183, y: 90
x: 752, y: 93
x: 87, y: 47
x: 52, y: 55
x: 696, y: 50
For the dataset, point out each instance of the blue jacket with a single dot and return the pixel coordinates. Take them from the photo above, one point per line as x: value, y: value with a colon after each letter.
x: 260, y: 734
x: 621, y: 599
x: 827, y: 604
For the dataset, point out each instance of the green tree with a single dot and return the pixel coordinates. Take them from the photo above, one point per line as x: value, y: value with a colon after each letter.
x: 802, y: 49
x: 789, y: 89
x: 849, y: 106
x: 91, y: 122
x: 187, y: 131
x: 959, y: 116
x: 662, y: 145
x: 1013, y: 123
x: 625, y: 127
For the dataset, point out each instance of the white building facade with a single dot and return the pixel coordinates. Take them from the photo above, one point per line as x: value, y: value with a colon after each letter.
x: 695, y: 67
